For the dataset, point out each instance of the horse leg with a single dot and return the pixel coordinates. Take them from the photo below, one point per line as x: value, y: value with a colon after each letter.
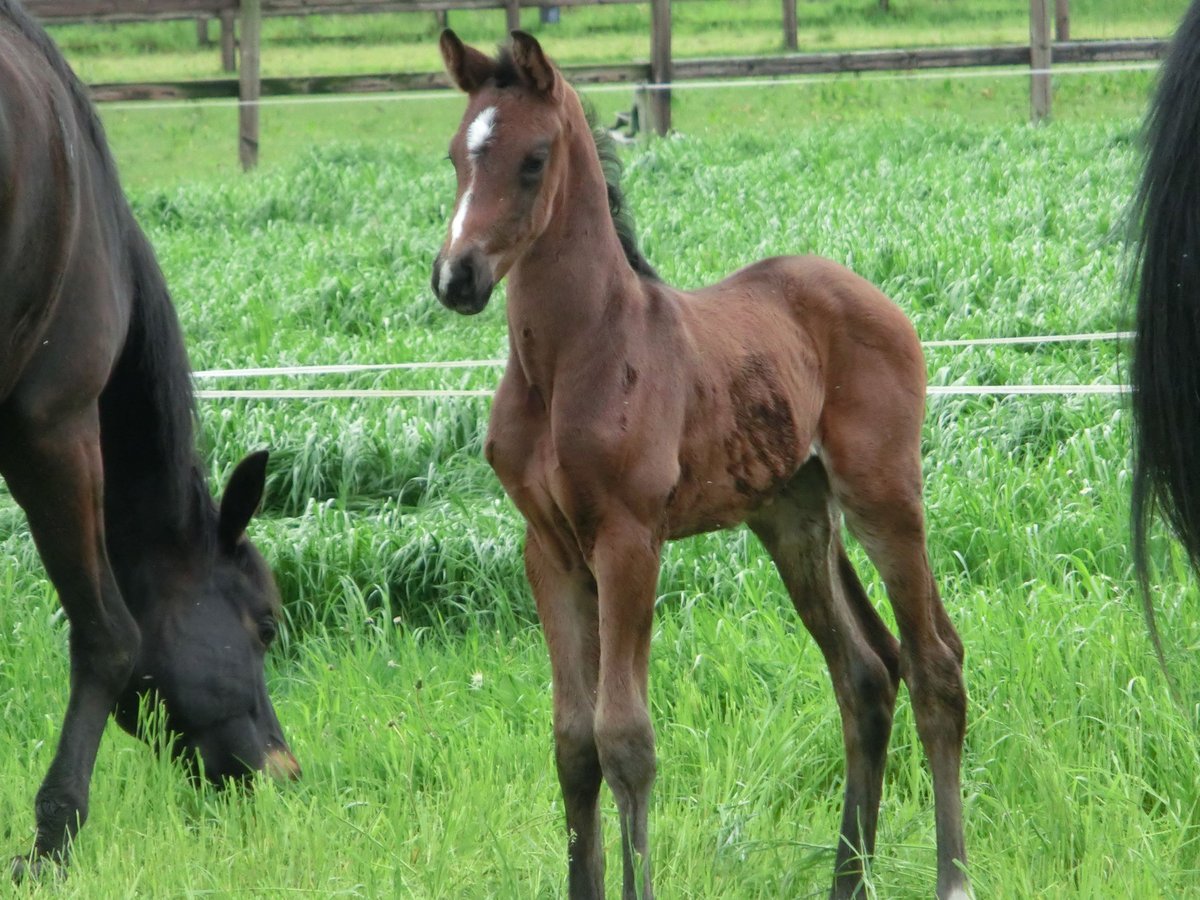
x: 55, y: 473
x: 625, y: 561
x: 800, y: 531
x: 879, y: 487
x: 566, y: 604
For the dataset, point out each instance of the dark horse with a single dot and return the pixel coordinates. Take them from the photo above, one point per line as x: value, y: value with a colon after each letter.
x: 631, y: 413
x: 1165, y: 372
x: 164, y: 594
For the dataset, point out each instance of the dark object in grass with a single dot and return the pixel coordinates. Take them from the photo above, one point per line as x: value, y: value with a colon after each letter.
x: 165, y: 596
x: 631, y: 413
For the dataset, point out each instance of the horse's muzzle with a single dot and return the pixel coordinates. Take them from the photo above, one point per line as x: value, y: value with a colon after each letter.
x: 463, y: 283
x: 281, y: 765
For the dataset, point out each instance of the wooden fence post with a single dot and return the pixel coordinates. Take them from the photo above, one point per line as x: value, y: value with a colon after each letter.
x: 1062, y: 20
x: 248, y: 83
x: 791, y: 38
x: 660, y: 65
x: 228, y: 41
x: 1039, y: 60
x: 512, y: 15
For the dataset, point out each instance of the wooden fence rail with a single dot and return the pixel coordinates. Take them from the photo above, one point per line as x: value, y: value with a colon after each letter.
x: 654, y: 78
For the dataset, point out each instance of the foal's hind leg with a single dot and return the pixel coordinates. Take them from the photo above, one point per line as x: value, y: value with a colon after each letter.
x: 800, y: 531
x: 54, y: 472
x: 878, y: 484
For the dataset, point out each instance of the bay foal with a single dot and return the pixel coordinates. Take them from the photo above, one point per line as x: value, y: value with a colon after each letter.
x: 631, y: 413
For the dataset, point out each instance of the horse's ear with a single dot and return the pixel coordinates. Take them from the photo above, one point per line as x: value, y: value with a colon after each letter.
x: 241, y: 498
x: 535, y: 70
x: 467, y: 67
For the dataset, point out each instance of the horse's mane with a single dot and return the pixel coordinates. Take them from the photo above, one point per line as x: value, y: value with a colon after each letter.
x: 622, y: 218
x: 506, y: 75
x: 148, y: 407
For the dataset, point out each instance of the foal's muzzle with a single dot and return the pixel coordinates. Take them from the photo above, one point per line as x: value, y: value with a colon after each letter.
x: 463, y: 283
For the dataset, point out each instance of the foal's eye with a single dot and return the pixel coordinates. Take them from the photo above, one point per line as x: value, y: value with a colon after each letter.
x: 267, y: 630
x: 532, y: 167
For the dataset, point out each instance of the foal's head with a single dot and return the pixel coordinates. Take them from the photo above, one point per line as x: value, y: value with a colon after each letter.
x: 207, y: 612
x: 510, y: 158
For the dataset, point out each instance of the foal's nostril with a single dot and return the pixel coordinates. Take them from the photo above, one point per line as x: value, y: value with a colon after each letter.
x: 463, y: 283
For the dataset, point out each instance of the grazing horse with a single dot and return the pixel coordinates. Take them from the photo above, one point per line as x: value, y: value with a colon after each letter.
x: 165, y: 596
x: 631, y: 413
x: 1164, y: 372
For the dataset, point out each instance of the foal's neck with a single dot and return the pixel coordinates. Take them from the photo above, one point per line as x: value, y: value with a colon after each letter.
x: 575, y: 278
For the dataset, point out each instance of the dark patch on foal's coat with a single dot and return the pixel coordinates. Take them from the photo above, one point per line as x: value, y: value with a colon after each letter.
x: 762, y: 451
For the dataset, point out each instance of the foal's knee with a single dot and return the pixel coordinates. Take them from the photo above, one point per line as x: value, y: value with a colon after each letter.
x: 575, y: 753
x: 625, y: 743
x: 936, y: 682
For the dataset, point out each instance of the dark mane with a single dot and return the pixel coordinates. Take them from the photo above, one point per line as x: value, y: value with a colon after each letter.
x: 505, y: 75
x: 622, y: 218
x: 148, y: 407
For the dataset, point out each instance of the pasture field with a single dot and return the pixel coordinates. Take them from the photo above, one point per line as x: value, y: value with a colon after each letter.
x: 407, y: 42
x: 411, y: 678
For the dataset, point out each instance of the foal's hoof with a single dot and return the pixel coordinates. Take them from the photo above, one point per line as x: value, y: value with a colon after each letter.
x: 37, y: 868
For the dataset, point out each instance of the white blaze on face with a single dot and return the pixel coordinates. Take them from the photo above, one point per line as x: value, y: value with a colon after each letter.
x: 456, y: 226
x: 479, y: 132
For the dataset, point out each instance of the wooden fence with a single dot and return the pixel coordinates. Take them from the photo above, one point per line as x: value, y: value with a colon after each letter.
x: 654, y: 77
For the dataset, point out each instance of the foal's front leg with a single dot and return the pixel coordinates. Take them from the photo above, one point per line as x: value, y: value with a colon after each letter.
x: 566, y: 603
x: 625, y: 561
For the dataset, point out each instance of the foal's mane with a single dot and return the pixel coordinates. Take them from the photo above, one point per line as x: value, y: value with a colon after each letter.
x: 610, y: 163
x: 148, y: 407
x: 506, y: 75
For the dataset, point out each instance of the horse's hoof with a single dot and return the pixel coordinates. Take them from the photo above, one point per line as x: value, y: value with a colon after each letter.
x: 36, y: 868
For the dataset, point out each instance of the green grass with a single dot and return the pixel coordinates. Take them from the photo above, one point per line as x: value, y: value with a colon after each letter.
x: 408, y: 42
x: 158, y: 146
x: 412, y: 679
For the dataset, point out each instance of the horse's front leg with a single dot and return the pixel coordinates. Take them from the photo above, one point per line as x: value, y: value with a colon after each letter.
x: 55, y: 474
x: 565, y: 594
x: 625, y: 561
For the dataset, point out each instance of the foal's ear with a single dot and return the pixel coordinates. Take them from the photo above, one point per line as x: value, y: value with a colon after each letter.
x: 467, y: 67
x: 535, y: 70
x: 241, y: 498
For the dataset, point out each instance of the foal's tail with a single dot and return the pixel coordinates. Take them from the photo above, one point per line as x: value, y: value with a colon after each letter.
x: 1166, y: 357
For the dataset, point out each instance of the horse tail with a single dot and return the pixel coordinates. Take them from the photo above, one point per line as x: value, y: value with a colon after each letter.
x: 1165, y: 371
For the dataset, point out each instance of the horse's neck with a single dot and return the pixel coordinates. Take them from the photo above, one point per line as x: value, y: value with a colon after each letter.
x: 565, y: 292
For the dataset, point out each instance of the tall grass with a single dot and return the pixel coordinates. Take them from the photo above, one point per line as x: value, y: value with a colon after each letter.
x: 412, y: 680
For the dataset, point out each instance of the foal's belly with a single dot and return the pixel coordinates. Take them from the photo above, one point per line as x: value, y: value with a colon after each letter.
x: 712, y: 501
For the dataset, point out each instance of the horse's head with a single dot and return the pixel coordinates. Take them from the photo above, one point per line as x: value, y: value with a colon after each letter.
x: 509, y: 155
x: 207, y: 614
